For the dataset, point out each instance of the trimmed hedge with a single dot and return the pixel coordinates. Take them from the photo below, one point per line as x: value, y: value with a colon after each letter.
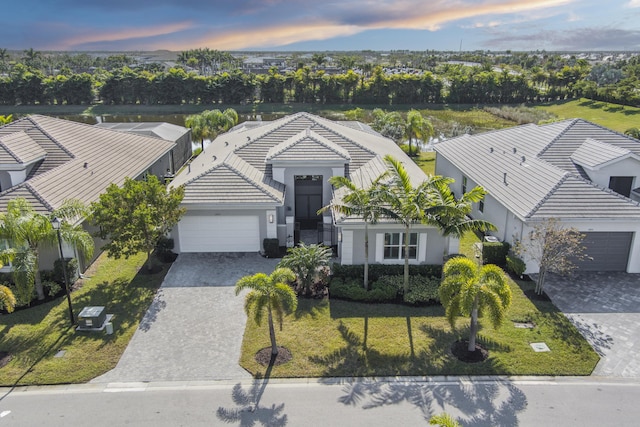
x: 376, y: 271
x: 352, y: 289
x: 495, y: 253
x: 515, y: 265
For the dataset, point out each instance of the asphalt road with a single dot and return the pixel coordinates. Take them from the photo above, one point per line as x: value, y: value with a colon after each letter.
x: 399, y: 402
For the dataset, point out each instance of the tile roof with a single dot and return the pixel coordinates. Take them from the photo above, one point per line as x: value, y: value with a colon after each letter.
x: 530, y: 169
x: 19, y: 148
x: 300, y: 136
x: 163, y: 130
x: 81, y: 160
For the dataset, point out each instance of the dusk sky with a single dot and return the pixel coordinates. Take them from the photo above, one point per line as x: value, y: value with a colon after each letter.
x: 317, y: 25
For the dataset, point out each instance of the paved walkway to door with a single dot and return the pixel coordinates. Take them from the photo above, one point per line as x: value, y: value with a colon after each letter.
x: 605, y: 307
x: 193, y: 329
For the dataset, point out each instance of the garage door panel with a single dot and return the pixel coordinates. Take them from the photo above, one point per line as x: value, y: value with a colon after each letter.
x: 609, y: 251
x: 219, y: 233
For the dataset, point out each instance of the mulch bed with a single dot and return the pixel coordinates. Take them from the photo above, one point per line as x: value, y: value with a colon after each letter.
x: 460, y: 351
x: 263, y: 356
x: 5, y: 358
x: 533, y: 296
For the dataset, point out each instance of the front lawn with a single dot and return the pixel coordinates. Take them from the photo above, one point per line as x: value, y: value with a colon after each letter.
x: 35, y: 335
x: 339, y: 338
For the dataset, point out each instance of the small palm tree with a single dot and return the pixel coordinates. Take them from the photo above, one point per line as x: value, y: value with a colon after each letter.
x: 470, y: 290
x: 305, y: 261
x: 444, y: 420
x: 417, y: 127
x: 7, y: 299
x: 272, y: 293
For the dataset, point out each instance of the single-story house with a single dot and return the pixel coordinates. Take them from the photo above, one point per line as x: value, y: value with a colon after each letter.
x: 268, y: 180
x: 582, y: 174
x: 48, y: 160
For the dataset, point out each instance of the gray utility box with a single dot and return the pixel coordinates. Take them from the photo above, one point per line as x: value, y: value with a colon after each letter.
x: 92, y: 317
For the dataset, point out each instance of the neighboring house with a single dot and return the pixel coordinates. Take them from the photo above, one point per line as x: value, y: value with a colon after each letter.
x: 47, y: 161
x: 181, y: 153
x: 268, y: 179
x: 582, y: 174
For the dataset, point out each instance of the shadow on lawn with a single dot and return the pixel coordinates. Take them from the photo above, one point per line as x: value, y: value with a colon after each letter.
x: 488, y: 403
x: 248, y: 411
x: 356, y: 359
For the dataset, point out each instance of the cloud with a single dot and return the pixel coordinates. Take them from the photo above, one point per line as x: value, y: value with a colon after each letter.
x: 633, y: 4
x: 575, y: 40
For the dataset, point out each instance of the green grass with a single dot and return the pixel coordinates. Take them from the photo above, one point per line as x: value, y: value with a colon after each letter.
x: 33, y: 336
x: 613, y: 116
x: 427, y: 162
x: 337, y: 338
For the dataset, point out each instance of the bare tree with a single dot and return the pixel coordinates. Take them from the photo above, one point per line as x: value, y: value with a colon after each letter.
x: 554, y: 247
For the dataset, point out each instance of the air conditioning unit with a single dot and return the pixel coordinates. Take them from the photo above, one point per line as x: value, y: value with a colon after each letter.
x: 92, y: 317
x: 491, y: 239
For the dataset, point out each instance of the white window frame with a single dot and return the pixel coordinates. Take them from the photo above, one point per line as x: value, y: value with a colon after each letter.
x: 400, y: 246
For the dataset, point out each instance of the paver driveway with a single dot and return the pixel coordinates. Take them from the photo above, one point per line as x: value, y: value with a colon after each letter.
x: 193, y: 329
x: 605, y: 307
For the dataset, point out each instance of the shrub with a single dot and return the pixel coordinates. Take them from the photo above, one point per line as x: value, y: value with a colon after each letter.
x: 72, y: 271
x: 516, y: 265
x: 51, y: 288
x: 495, y: 253
x: 376, y: 271
x: 422, y: 290
x: 164, y: 250
x: 271, y: 248
x: 352, y: 289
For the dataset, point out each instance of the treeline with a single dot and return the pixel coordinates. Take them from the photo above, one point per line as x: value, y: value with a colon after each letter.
x: 448, y: 83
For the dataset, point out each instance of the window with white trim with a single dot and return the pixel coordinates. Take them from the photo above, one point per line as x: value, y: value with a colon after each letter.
x: 394, y: 245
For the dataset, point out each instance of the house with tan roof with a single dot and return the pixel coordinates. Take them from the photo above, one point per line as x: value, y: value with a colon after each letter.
x: 48, y: 160
x: 268, y: 180
x: 582, y: 174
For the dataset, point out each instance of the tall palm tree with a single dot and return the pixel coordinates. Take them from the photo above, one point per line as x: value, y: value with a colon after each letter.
x: 32, y: 57
x: 27, y: 231
x: 406, y: 204
x: 471, y: 290
x: 272, y: 293
x: 210, y: 123
x: 451, y: 215
x: 361, y: 202
x: 417, y: 127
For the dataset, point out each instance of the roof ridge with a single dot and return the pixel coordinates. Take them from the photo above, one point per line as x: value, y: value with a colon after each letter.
x: 255, y: 183
x: 564, y: 131
x: 38, y: 196
x: 48, y: 135
x: 285, y: 120
x: 325, y: 127
x: 6, y: 147
x: 307, y: 134
x: 549, y: 194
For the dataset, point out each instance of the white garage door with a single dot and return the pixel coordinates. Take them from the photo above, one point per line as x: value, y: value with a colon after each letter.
x: 219, y: 234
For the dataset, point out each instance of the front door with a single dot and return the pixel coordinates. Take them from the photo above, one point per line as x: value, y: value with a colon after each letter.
x: 308, y: 190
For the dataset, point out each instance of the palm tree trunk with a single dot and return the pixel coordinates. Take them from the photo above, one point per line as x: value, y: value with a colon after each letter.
x: 366, y: 256
x: 38, y: 280
x: 406, y: 260
x: 540, y: 282
x: 473, y: 330
x: 272, y: 333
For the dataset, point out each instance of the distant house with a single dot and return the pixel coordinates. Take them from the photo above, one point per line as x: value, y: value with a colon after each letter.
x: 268, y: 180
x: 47, y: 161
x: 583, y: 174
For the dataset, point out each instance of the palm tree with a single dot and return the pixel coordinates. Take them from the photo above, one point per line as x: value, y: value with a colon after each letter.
x: 32, y: 57
x: 305, y: 261
x: 633, y: 133
x: 27, y: 231
x: 406, y: 204
x: 417, y: 127
x: 210, y: 123
x: 451, y: 215
x: 272, y: 293
x: 7, y: 299
x: 360, y: 202
x: 471, y: 290
x: 5, y: 120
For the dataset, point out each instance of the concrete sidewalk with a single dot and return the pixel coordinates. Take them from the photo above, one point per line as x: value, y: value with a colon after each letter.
x: 193, y: 329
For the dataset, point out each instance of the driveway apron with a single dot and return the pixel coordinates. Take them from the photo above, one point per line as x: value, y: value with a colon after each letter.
x: 605, y: 307
x: 193, y: 328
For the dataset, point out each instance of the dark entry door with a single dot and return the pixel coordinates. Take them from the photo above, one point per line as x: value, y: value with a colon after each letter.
x: 308, y: 190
